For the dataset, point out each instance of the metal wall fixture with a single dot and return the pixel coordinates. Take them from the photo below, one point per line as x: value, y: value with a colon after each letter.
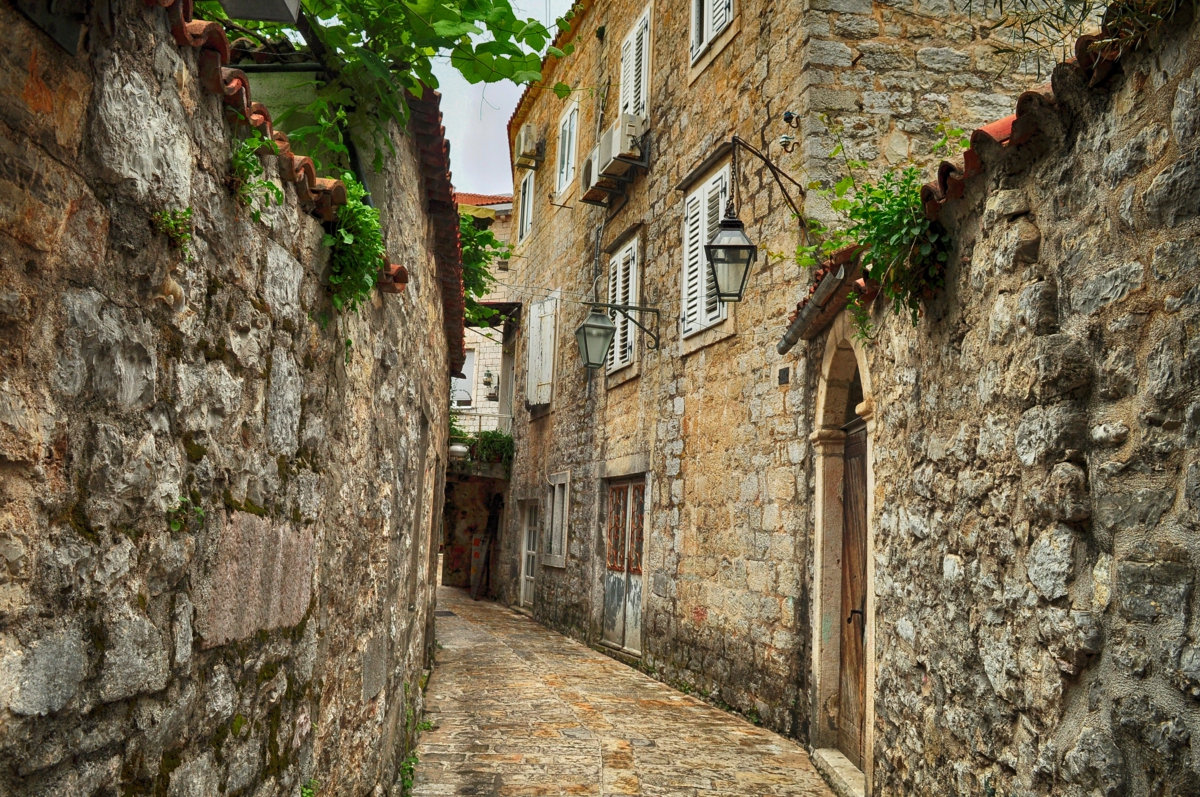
x: 730, y: 252
x: 263, y: 10
x: 595, y: 335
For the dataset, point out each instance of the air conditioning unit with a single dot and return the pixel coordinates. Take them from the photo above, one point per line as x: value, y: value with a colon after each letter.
x: 589, y: 176
x: 525, y: 148
x: 621, y: 141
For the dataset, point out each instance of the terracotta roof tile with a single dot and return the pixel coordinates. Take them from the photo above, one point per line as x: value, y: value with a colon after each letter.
x: 482, y: 200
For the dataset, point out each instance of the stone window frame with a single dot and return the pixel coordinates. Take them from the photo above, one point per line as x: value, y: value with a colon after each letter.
x: 556, y: 519
x: 525, y: 213
x: 709, y: 20
x: 568, y: 149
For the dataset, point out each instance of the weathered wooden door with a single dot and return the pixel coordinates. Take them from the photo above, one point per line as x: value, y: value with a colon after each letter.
x: 624, y: 534
x: 852, y: 684
x: 529, y: 554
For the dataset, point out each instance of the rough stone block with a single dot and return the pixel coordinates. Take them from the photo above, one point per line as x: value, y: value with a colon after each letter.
x: 1109, y: 287
x: 1131, y: 510
x: 827, y: 53
x: 1095, y: 762
x: 135, y: 660
x: 1064, y: 496
x: 281, y: 281
x: 1047, y: 433
x: 1050, y: 563
x: 1150, y: 591
x: 374, y: 667
x: 1176, y: 260
x: 1003, y: 205
x: 261, y: 579
x: 843, y: 6
x: 283, y: 404
x: 1063, y: 366
x: 1037, y: 308
x: 1110, y: 434
x: 47, y: 675
x: 1185, y: 114
x: 1174, y: 196
x: 943, y: 59
x: 1118, y: 374
x: 1145, y: 148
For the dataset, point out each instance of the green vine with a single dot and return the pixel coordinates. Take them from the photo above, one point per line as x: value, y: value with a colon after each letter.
x: 185, y: 516
x: 310, y: 788
x: 903, y: 251
x: 480, y: 248
x: 246, y: 170
x: 358, y: 253
x: 177, y: 226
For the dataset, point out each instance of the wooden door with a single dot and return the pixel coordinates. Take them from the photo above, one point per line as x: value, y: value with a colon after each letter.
x: 623, y: 565
x: 852, y: 683
x: 529, y: 555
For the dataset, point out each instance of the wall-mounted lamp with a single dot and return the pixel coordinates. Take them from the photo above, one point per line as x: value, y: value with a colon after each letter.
x: 595, y: 335
x: 730, y: 252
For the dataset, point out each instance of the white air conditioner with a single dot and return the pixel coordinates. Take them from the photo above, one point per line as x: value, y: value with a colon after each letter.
x: 589, y: 175
x: 622, y: 140
x: 526, y: 148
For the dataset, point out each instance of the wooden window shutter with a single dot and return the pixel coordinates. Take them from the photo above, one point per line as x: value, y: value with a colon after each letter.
x: 721, y: 13
x: 693, y: 278
x: 641, y: 58
x: 627, y: 75
x: 539, y: 374
x: 533, y: 363
x: 699, y: 17
x: 716, y: 194
x: 622, y: 289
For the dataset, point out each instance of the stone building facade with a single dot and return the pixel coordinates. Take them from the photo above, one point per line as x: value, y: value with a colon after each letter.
x: 1027, y: 444
x: 216, y: 519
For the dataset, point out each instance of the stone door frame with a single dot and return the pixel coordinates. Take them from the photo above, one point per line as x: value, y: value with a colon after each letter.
x: 842, y: 356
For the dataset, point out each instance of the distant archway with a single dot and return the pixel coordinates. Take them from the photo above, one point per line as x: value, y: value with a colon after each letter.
x: 843, y: 664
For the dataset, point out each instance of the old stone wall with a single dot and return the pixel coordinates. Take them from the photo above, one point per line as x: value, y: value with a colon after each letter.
x: 215, y: 516
x: 718, y: 421
x: 1035, y: 459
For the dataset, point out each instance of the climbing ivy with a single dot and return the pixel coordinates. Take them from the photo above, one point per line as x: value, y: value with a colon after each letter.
x: 245, y: 174
x: 480, y: 249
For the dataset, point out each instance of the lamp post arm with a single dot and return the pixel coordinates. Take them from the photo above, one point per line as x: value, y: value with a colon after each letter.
x: 625, y: 309
x: 780, y: 175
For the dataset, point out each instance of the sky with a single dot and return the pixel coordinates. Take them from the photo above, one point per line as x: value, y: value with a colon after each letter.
x: 476, y: 117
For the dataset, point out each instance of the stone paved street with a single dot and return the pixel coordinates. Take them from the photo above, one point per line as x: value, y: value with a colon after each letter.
x: 518, y: 709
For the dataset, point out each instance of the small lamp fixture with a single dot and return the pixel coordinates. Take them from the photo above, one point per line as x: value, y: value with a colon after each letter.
x: 595, y: 336
x: 730, y: 255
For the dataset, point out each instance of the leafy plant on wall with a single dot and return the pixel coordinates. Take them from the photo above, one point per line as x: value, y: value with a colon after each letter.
x: 246, y: 172
x: 902, y: 251
x: 358, y: 253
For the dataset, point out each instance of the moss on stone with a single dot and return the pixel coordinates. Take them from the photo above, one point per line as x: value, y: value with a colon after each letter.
x: 253, y: 508
x: 268, y: 671
x: 236, y: 726
x: 195, y: 451
x: 75, y: 516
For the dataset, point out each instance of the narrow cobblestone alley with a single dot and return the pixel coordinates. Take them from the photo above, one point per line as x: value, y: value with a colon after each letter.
x: 518, y: 709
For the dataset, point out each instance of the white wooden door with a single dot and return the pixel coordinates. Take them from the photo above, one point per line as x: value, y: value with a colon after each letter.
x: 529, y: 555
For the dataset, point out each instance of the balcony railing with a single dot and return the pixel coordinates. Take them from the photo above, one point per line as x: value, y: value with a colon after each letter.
x: 472, y: 421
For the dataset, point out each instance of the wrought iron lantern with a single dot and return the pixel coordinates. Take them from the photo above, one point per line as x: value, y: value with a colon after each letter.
x: 595, y: 336
x: 730, y: 255
x: 263, y: 10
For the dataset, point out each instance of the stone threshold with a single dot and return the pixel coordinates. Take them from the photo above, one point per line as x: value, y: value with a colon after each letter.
x: 843, y: 777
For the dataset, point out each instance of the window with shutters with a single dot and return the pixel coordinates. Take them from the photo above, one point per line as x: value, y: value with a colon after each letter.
x: 525, y: 217
x: 623, y: 289
x: 568, y: 131
x: 710, y: 18
x: 635, y: 68
x: 540, y: 330
x: 702, y: 212
x: 462, y: 391
x: 558, y: 502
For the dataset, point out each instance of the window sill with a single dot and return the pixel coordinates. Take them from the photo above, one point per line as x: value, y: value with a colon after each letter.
x: 715, y: 48
x: 714, y: 334
x: 553, y: 561
x: 622, y: 375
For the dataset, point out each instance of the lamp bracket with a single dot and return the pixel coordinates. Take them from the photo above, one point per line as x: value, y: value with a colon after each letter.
x: 780, y: 175
x: 626, y: 309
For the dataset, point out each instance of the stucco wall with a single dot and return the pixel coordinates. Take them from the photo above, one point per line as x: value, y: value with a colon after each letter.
x: 283, y: 637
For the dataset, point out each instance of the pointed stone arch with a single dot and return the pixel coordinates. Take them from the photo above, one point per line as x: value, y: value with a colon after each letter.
x: 843, y: 358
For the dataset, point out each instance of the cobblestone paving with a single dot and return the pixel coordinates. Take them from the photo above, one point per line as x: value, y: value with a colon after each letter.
x: 518, y: 709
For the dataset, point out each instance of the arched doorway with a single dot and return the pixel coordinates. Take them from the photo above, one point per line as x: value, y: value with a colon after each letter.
x: 844, y: 601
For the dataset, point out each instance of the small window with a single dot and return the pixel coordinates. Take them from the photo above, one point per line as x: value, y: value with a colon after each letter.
x: 462, y: 391
x: 623, y: 289
x: 635, y: 68
x: 558, y: 501
x: 568, y: 130
x: 525, y: 220
x: 701, y: 217
x: 710, y: 18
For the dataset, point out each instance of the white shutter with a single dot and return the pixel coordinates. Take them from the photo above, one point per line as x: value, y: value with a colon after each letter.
x: 716, y: 194
x: 533, y: 364
x: 693, y: 263
x: 622, y: 289
x: 627, y: 75
x: 548, y: 348
x: 721, y: 13
x: 558, y: 514
x: 641, y: 57
x: 563, y: 143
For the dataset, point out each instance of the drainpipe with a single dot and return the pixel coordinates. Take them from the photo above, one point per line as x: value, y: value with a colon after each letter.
x: 828, y: 285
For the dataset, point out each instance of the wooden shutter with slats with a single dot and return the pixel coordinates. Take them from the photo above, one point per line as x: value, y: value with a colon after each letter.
x: 635, y: 77
x: 622, y: 289
x: 703, y: 210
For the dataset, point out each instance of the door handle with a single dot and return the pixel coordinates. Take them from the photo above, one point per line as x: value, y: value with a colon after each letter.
x: 853, y: 612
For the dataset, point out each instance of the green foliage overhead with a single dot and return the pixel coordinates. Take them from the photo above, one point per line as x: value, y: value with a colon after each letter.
x: 373, y: 51
x: 480, y: 249
x: 358, y: 253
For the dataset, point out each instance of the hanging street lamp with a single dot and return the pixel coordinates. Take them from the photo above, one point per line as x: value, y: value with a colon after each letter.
x: 595, y: 336
x: 730, y: 255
